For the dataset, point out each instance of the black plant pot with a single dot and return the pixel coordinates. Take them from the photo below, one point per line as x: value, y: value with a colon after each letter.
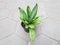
x: 25, y: 29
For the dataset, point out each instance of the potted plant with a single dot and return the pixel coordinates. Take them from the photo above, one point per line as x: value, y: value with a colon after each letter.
x: 30, y: 20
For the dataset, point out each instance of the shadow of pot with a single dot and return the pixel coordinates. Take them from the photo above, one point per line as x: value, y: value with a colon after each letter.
x: 25, y: 29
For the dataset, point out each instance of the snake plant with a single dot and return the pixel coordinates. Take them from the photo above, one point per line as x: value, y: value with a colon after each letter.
x: 30, y: 19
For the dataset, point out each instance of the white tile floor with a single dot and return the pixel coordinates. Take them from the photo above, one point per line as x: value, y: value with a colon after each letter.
x: 7, y: 27
x: 13, y: 40
x: 11, y: 32
x: 43, y: 40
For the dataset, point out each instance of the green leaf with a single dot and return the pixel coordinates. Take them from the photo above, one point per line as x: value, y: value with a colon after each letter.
x: 28, y: 11
x: 26, y: 26
x: 32, y: 34
x: 34, y: 19
x: 37, y: 20
x: 31, y: 26
x: 23, y: 15
x: 37, y: 23
x: 34, y: 11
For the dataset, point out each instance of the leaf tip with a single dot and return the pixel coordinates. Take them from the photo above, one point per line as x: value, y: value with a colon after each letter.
x: 28, y: 6
x: 36, y: 4
x: 19, y: 8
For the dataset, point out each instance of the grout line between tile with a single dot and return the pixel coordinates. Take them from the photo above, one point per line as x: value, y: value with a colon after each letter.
x: 12, y: 19
x: 3, y: 18
x: 58, y: 43
x: 50, y: 37
x: 21, y: 37
x: 7, y: 36
x: 15, y: 31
